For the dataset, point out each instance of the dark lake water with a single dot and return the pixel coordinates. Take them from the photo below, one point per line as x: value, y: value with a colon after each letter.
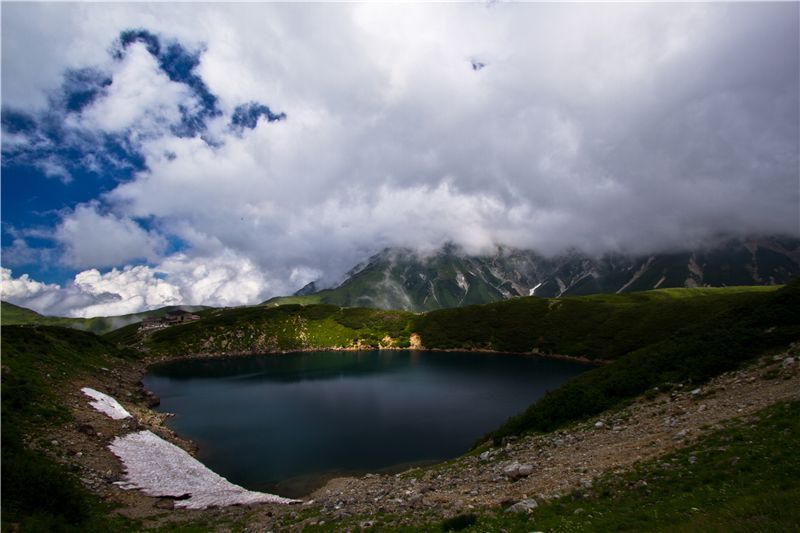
x: 286, y: 423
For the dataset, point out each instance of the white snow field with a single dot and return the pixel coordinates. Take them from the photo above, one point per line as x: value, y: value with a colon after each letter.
x: 106, y: 404
x: 160, y: 468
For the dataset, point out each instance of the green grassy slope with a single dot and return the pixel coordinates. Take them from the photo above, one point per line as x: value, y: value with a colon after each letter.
x: 11, y: 314
x: 264, y: 329
x: 737, y: 330
x: 38, y: 494
x: 14, y: 314
x: 603, y: 326
x: 597, y: 327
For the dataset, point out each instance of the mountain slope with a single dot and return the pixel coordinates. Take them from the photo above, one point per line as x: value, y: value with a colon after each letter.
x: 402, y: 279
x: 11, y: 314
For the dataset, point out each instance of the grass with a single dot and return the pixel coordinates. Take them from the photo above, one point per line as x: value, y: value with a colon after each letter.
x: 11, y: 315
x: 745, y: 478
x: 597, y: 327
x: 268, y: 329
x: 722, y: 339
x: 39, y: 494
x: 654, y: 338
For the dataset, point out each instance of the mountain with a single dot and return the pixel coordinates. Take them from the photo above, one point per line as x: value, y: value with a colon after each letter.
x: 403, y: 279
x: 11, y: 314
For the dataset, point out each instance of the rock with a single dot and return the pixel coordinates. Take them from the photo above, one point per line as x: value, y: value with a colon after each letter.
x: 789, y: 361
x: 485, y: 456
x: 692, y: 459
x: 523, y: 506
x: 366, y: 524
x: 525, y: 470
x: 599, y: 424
x: 516, y: 470
x: 579, y: 510
x: 511, y: 470
x: 679, y: 435
x: 697, y: 391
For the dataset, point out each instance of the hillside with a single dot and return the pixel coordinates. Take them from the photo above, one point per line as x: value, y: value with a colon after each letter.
x: 678, y: 340
x: 263, y: 329
x: 11, y: 314
x: 602, y: 327
x: 403, y: 279
x: 652, y: 338
x: 39, y: 493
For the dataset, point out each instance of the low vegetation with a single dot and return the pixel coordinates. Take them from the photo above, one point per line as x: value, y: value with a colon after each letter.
x: 264, y: 329
x: 602, y: 327
x: 39, y: 494
x: 745, y: 477
x: 731, y: 331
x: 653, y: 339
x: 12, y: 315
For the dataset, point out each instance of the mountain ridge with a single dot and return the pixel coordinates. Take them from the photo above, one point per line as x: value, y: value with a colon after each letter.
x: 399, y: 278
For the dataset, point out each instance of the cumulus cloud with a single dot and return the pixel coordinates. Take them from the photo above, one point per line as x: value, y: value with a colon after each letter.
x: 222, y: 280
x: 91, y: 238
x: 140, y: 96
x: 632, y: 127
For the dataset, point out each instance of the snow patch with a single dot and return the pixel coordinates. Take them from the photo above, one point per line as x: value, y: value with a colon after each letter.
x: 160, y: 468
x: 533, y: 290
x: 106, y: 404
x: 462, y: 281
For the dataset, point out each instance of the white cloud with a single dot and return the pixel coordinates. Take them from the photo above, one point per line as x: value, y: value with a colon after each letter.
x: 222, y: 280
x: 54, y: 169
x: 23, y: 286
x: 225, y: 279
x: 635, y: 126
x: 140, y: 96
x: 91, y: 238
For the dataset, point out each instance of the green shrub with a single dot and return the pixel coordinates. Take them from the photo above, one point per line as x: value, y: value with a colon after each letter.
x: 459, y: 522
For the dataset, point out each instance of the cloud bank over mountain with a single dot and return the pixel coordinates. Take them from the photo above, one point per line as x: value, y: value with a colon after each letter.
x: 221, y: 154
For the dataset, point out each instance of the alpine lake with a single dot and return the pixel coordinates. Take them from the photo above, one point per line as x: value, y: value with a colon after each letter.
x: 286, y: 423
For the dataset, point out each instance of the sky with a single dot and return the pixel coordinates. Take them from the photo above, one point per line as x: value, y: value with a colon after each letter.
x: 221, y: 154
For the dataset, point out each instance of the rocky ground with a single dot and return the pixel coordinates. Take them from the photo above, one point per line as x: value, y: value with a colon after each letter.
x: 517, y: 474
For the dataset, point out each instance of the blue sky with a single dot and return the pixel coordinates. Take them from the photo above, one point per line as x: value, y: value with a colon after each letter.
x: 220, y: 154
x: 56, y: 166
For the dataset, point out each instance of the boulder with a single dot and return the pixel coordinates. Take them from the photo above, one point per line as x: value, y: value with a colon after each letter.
x: 516, y: 470
x: 523, y: 506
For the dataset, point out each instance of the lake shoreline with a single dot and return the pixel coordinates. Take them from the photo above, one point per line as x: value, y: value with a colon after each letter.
x: 155, y: 360
x: 505, y: 385
x: 91, y: 432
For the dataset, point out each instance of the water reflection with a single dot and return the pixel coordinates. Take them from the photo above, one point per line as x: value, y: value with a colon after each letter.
x: 286, y: 422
